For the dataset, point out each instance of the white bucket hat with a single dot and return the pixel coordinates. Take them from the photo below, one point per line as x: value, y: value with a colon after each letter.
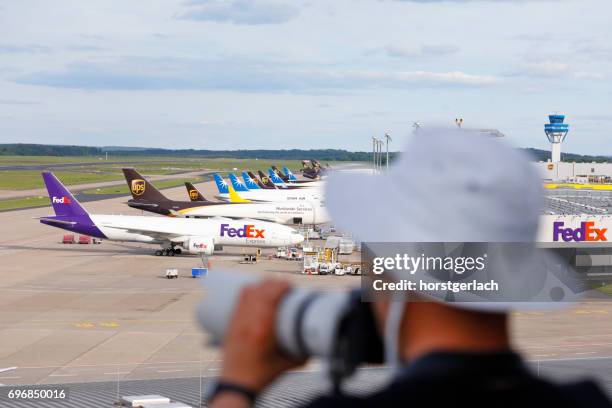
x: 450, y: 186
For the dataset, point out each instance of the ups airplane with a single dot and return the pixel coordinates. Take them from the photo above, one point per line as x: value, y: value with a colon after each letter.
x: 175, y: 235
x: 146, y: 197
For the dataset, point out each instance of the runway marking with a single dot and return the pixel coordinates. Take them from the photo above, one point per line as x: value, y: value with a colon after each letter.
x: 108, y: 324
x: 90, y: 325
x: 9, y: 378
x: 84, y: 325
x: 62, y: 375
x: 585, y: 352
x: 117, y: 373
x: 605, y: 312
x: 169, y: 371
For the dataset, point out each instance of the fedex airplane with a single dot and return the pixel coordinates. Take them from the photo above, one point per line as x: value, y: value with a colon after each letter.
x: 175, y: 235
x: 310, y: 194
x: 146, y: 197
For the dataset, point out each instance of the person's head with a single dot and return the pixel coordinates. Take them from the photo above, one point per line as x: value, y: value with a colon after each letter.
x: 449, y: 186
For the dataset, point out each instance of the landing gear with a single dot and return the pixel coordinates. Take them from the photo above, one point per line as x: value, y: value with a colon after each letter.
x: 168, y: 252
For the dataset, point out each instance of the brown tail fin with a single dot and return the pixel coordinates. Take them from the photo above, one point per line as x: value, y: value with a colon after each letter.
x: 140, y: 188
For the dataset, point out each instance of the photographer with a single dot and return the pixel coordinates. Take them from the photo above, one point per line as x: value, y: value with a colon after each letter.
x: 475, y: 189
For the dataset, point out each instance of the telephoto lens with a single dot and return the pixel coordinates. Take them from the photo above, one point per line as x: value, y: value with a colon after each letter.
x: 334, y: 326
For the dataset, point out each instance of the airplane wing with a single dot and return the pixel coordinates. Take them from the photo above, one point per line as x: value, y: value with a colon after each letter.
x: 258, y: 218
x: 157, y: 234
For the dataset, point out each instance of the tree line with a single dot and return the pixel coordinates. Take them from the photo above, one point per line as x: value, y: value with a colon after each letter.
x: 22, y: 149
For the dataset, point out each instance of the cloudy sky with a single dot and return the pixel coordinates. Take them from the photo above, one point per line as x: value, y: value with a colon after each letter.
x: 231, y: 74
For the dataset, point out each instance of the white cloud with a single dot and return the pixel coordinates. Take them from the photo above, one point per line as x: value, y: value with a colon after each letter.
x: 544, y: 68
x: 589, y: 75
x: 237, y: 74
x: 554, y: 69
x: 251, y: 12
x: 405, y: 50
x: 422, y: 78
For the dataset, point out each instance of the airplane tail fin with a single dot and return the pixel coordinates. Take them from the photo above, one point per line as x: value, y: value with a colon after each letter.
x: 194, y: 193
x: 257, y: 181
x: 249, y: 182
x: 235, y: 197
x: 289, y: 174
x: 280, y: 174
x: 63, y: 202
x: 265, y: 179
x: 140, y: 188
x: 274, y: 177
x: 237, y: 184
x: 221, y: 184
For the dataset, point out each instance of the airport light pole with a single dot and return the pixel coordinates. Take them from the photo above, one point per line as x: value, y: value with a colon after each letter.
x: 388, y: 139
x: 377, y: 155
x: 374, y: 153
x: 380, y: 145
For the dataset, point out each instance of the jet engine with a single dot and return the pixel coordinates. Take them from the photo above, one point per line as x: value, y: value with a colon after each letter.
x: 199, y: 245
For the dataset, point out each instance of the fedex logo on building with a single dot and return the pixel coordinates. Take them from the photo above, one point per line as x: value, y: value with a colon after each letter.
x: 60, y: 200
x: 248, y: 231
x: 586, y: 232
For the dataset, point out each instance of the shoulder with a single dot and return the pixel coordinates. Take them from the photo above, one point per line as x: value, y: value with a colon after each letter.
x: 422, y: 393
x: 586, y: 394
x: 388, y: 397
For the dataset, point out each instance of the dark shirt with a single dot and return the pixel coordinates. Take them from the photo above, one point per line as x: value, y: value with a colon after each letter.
x: 472, y: 380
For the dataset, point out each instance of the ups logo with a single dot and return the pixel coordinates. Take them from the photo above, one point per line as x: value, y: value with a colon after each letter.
x: 193, y: 194
x: 265, y: 179
x: 138, y: 187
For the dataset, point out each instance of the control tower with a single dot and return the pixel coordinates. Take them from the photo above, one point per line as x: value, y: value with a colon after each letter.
x: 556, y: 131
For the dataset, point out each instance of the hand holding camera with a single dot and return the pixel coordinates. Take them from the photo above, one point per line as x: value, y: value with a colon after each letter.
x: 252, y: 357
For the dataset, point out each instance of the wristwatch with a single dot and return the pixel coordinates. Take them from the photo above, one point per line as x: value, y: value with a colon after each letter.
x: 226, y: 386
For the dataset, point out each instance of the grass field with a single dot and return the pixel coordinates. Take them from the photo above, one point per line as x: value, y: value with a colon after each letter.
x: 123, y: 189
x: 606, y: 289
x: 99, y: 171
x: 25, y: 202
x: 181, y: 162
x: 27, y: 179
x: 40, y: 201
